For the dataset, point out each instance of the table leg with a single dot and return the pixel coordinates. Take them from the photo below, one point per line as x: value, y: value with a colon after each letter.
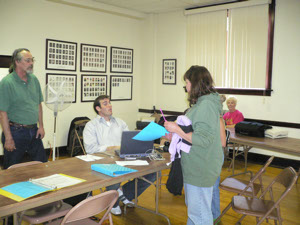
x: 233, y: 156
x: 16, y: 219
x: 157, y: 185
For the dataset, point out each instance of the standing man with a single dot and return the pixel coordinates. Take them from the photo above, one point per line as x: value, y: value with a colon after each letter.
x: 104, y: 133
x: 21, y: 110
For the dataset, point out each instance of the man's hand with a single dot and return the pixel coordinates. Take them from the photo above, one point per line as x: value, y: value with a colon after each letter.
x: 40, y: 133
x: 168, y: 136
x: 9, y: 145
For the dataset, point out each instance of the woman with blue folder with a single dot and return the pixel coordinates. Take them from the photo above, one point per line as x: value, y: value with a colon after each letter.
x: 201, y: 167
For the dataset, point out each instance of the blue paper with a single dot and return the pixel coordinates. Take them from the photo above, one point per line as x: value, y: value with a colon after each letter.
x: 151, y: 132
x: 113, y: 170
x: 25, y: 189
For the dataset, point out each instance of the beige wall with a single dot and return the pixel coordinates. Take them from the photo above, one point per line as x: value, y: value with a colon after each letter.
x: 153, y: 38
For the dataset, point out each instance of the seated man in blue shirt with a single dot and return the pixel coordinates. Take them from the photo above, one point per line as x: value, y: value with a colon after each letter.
x: 104, y: 133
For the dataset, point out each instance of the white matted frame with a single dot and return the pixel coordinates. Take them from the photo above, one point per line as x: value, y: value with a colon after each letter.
x: 93, y: 86
x: 120, y: 88
x: 121, y: 60
x: 70, y: 83
x: 93, y: 58
x: 169, y: 71
x: 61, y: 55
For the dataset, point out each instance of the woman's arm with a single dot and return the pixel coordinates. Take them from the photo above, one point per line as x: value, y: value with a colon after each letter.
x: 222, y: 132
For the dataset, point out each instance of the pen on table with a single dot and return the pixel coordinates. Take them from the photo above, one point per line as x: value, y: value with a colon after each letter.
x: 163, y: 115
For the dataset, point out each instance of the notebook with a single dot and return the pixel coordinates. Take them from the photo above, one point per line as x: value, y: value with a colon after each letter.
x: 112, y: 170
x: 131, y: 148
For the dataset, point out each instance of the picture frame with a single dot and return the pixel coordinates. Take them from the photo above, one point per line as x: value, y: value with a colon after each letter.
x: 61, y: 55
x: 69, y: 82
x: 93, y: 86
x: 5, y: 61
x: 121, y: 88
x: 93, y: 58
x: 169, y: 68
x: 121, y: 60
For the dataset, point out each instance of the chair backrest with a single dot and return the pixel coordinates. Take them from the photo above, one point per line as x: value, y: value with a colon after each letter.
x: 287, y: 178
x: 80, y: 124
x: 263, y: 169
x: 92, y: 206
x: 227, y: 136
x: 24, y: 164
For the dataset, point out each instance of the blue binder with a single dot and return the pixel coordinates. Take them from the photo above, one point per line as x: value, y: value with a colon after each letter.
x: 113, y: 170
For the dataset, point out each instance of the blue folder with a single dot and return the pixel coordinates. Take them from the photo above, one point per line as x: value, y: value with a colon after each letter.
x: 113, y: 170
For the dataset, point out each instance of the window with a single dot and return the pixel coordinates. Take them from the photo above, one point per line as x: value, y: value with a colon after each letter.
x: 234, y: 44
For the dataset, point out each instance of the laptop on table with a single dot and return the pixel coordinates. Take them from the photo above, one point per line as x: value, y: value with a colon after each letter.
x: 131, y: 148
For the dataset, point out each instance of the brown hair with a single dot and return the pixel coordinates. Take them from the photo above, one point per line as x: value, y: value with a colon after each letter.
x: 97, y: 101
x: 201, y: 82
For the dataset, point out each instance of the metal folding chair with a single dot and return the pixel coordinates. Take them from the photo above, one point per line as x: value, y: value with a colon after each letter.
x: 266, y: 209
x: 241, y: 187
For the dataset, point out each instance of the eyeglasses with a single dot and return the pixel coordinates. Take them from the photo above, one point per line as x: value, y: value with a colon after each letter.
x: 29, y: 60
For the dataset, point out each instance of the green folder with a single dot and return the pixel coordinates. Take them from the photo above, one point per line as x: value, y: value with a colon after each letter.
x: 113, y: 170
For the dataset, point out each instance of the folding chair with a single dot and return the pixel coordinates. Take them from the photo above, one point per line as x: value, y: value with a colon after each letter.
x: 89, y: 207
x: 79, y: 126
x: 266, y: 209
x: 241, y: 187
x: 42, y: 213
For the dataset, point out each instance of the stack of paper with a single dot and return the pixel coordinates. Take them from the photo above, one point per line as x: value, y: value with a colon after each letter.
x: 112, y: 170
x: 276, y: 133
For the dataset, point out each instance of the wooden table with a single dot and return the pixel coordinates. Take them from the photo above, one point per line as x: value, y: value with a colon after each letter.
x: 73, y: 167
x: 290, y: 146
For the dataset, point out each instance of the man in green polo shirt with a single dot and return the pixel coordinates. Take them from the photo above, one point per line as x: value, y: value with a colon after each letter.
x: 21, y: 110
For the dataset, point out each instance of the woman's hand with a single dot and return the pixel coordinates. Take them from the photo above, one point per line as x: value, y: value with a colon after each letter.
x: 171, y: 127
x: 174, y: 128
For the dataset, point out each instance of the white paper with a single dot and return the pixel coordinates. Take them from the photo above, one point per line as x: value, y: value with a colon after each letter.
x: 89, y: 158
x: 57, y: 181
x: 133, y: 163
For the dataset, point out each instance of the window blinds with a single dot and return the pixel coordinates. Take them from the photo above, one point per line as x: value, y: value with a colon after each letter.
x: 233, y: 47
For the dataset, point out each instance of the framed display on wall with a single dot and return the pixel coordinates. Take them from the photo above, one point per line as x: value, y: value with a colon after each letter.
x: 5, y: 61
x: 121, y: 60
x: 169, y: 71
x: 120, y: 88
x: 65, y: 82
x: 61, y: 55
x: 93, y: 58
x: 93, y: 86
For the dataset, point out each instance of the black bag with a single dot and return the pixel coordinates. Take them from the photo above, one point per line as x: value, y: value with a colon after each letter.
x: 175, y: 180
x: 253, y: 129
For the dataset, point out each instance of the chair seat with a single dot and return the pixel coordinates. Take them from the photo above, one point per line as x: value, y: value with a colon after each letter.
x: 238, y: 185
x: 79, y: 222
x: 253, y: 206
x: 46, y: 212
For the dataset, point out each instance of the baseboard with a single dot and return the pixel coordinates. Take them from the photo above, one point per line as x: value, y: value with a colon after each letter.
x: 277, y: 162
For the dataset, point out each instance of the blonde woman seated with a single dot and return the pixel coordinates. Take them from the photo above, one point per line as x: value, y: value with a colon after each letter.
x: 234, y: 116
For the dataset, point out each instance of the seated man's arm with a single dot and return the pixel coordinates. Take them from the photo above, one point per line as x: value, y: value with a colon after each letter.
x: 91, y: 144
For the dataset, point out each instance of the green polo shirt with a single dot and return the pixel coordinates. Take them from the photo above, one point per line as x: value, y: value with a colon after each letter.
x: 20, y: 99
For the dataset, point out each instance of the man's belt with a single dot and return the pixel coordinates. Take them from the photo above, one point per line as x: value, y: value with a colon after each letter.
x: 22, y: 125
